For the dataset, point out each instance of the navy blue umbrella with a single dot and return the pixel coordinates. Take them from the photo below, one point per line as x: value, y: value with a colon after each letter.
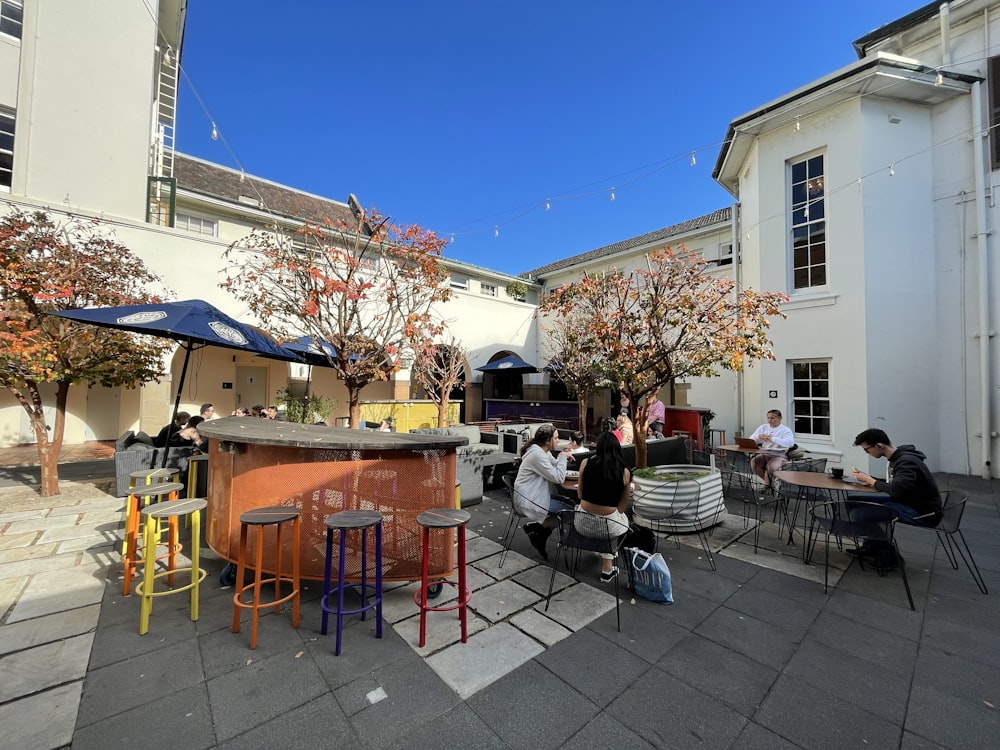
x: 193, y: 323
x: 312, y: 351
x: 510, y: 363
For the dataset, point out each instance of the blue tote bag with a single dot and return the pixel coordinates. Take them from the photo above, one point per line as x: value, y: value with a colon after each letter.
x: 650, y: 575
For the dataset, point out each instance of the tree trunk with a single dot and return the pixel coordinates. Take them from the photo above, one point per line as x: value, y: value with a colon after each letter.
x: 48, y: 450
x: 639, y: 434
x: 581, y: 407
x: 354, y: 401
x: 442, y: 407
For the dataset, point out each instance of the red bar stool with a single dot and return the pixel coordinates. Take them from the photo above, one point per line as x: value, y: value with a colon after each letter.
x: 154, y: 516
x: 140, y: 496
x: 344, y: 521
x: 276, y: 516
x: 443, y: 518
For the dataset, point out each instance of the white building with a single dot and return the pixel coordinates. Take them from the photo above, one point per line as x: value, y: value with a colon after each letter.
x: 866, y: 196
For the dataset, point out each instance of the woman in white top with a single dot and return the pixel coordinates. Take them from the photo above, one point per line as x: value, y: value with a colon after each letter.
x: 532, y: 487
x: 776, y: 439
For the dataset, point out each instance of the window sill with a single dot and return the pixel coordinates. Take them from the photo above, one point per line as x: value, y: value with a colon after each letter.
x: 814, y: 299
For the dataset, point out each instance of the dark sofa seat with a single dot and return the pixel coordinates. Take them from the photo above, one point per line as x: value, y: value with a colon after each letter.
x: 132, y: 453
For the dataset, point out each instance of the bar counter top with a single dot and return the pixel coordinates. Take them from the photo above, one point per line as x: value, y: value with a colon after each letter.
x: 293, y: 434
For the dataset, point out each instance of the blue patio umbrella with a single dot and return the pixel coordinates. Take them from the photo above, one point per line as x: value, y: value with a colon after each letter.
x: 510, y: 363
x: 193, y: 323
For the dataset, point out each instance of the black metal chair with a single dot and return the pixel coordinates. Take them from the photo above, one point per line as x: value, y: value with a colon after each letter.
x: 513, y: 520
x: 583, y: 531
x: 791, y: 495
x: 857, y: 520
x: 680, y: 518
x: 948, y: 528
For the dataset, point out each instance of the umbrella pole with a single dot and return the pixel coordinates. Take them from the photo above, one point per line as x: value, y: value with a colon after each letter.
x: 177, y: 402
x: 305, y: 400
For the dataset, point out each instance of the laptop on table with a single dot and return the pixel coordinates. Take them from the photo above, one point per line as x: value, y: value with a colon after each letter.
x: 748, y: 443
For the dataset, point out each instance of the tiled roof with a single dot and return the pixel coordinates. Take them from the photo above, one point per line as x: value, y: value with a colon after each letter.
x: 225, y: 184
x: 660, y: 235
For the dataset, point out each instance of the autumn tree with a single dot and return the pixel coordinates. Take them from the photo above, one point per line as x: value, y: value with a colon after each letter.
x: 367, y: 288
x: 48, y: 265
x: 576, y: 359
x: 672, y: 319
x: 439, y: 368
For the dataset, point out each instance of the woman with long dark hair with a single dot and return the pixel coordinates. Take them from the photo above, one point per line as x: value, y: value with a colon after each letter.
x: 604, y: 490
x: 532, y: 487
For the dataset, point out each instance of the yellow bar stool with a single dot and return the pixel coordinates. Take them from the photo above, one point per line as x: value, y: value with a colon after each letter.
x: 276, y: 516
x: 155, y: 516
x: 150, y: 476
x: 140, y: 498
x: 196, y: 465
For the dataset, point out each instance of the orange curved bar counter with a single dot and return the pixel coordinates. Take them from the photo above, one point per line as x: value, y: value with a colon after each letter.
x: 321, y: 470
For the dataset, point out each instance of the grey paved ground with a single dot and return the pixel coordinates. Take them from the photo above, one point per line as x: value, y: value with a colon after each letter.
x: 748, y: 656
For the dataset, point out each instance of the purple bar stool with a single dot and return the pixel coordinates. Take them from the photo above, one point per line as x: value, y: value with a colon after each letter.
x: 344, y: 521
x: 443, y: 518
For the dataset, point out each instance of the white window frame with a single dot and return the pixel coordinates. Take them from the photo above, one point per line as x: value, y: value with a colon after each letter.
x: 808, y: 224
x: 7, y: 129
x: 807, y: 391
x: 459, y: 282
x: 196, y: 224
x: 490, y: 290
x: 12, y: 18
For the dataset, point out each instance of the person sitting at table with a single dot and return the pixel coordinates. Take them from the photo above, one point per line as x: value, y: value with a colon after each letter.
x: 576, y: 443
x: 169, y: 434
x: 909, y: 490
x: 624, y: 430
x: 533, y: 497
x: 604, y: 490
x: 656, y: 414
x: 776, y: 439
x: 189, y: 435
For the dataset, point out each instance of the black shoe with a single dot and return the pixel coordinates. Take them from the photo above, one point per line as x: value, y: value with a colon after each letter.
x: 538, y: 535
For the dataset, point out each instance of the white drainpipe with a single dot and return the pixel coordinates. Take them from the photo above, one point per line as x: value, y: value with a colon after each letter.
x: 985, y: 333
x: 944, y: 12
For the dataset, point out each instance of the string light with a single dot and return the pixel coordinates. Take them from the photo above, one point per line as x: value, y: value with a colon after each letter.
x: 496, y: 231
x: 452, y: 238
x: 548, y: 205
x: 798, y: 125
x: 939, y: 81
x: 612, y: 194
x: 693, y: 160
x: 243, y: 176
x: 892, y: 172
x: 168, y: 55
x: 215, y: 132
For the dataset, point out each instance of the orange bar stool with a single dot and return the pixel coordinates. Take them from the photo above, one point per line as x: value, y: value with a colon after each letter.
x: 154, y: 517
x: 443, y: 518
x: 142, y: 496
x: 276, y: 516
x: 345, y: 521
x: 150, y: 476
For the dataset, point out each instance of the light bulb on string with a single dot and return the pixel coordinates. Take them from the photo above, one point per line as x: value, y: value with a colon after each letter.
x: 243, y: 176
x: 215, y: 132
x: 798, y: 125
x: 548, y: 205
x: 168, y: 56
x: 939, y: 81
x: 496, y: 231
x: 453, y: 239
x: 892, y: 171
x: 693, y: 160
x: 612, y: 194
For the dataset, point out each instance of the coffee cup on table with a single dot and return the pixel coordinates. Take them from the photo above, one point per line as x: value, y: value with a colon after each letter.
x: 837, y: 473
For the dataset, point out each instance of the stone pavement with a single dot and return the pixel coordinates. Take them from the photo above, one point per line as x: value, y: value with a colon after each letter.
x: 748, y: 656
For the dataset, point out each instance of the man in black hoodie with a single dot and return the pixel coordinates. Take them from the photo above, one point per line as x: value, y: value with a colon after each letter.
x: 912, y: 492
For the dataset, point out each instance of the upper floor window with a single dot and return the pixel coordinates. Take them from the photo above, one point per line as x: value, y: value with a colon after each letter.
x: 808, y: 226
x: 6, y: 150
x: 811, y: 398
x: 11, y: 16
x: 490, y: 290
x: 196, y: 224
x: 459, y: 282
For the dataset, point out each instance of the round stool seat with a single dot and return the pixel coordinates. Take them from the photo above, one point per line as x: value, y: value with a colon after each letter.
x: 178, y: 508
x: 148, y: 475
x: 443, y: 518
x: 265, y: 516
x: 353, y: 519
x: 156, y: 490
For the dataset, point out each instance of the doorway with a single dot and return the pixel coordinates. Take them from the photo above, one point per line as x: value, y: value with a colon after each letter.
x: 251, y: 386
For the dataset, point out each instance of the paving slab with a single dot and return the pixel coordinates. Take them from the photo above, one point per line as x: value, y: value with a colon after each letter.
x: 43, y: 721
x: 469, y: 667
x: 543, y: 629
x: 502, y: 599
x: 576, y: 606
x: 59, y: 590
x: 48, y: 665
x: 47, y: 629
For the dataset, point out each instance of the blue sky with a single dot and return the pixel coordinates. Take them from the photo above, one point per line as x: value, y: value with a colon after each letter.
x: 468, y: 116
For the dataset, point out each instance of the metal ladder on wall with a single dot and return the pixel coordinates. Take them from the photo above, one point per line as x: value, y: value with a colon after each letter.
x: 161, y: 168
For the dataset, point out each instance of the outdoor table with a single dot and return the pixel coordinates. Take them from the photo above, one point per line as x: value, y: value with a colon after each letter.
x: 321, y: 470
x: 819, y: 481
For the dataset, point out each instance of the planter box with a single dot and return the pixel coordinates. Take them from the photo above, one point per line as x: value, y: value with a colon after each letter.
x: 673, y: 506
